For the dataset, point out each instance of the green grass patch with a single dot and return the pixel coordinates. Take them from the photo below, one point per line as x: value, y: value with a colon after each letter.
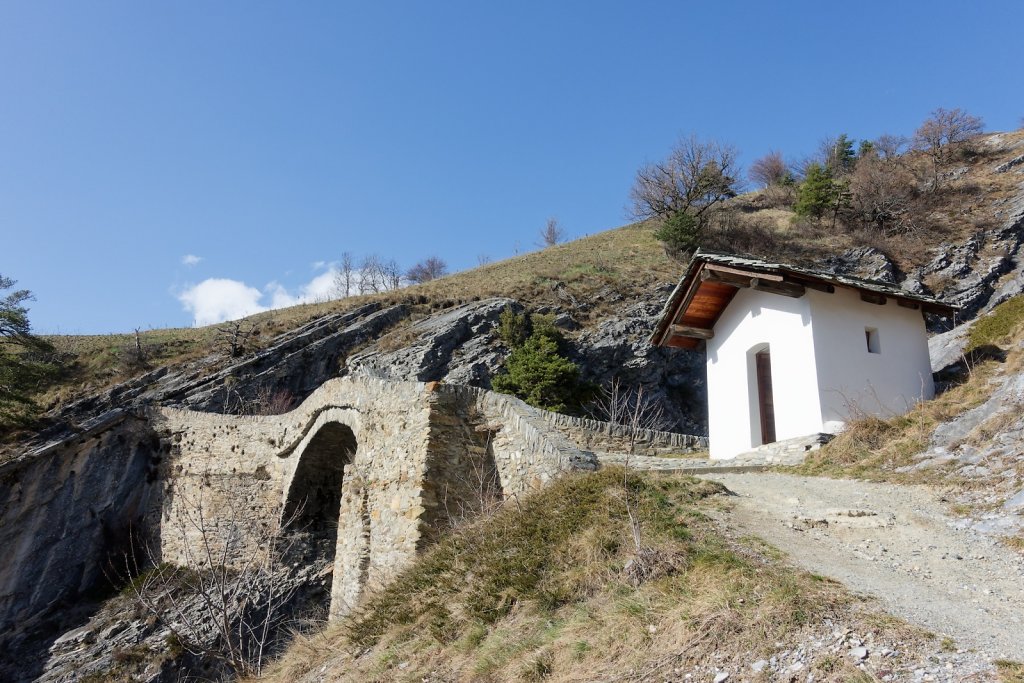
x: 997, y: 326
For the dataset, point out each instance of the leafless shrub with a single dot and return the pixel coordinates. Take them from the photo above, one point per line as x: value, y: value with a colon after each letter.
x: 483, y: 259
x: 779, y: 195
x: 269, y: 401
x: 227, y: 599
x: 552, y: 233
x: 136, y: 355
x: 480, y: 485
x: 771, y: 169
x: 635, y: 410
x: 426, y: 270
x: 745, y: 235
x: 234, y: 336
x: 649, y: 563
x: 882, y: 192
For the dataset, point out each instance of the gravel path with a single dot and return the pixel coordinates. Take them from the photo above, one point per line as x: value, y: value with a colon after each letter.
x: 892, y: 542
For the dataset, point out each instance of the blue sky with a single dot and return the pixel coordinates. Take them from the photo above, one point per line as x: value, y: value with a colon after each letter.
x: 265, y: 139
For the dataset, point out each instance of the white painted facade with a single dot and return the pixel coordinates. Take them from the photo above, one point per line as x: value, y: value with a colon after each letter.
x: 823, y: 372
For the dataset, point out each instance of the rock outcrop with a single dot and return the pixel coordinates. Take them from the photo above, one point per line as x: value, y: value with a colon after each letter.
x: 459, y: 346
x: 618, y: 349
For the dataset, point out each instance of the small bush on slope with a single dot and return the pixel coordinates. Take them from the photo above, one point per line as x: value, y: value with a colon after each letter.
x: 538, y: 370
x: 539, y: 591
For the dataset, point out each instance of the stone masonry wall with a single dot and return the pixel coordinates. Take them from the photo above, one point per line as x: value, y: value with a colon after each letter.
x: 596, y: 435
x: 420, y: 451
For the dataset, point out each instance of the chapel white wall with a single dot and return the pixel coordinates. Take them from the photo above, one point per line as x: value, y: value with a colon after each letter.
x: 853, y: 381
x: 754, y: 318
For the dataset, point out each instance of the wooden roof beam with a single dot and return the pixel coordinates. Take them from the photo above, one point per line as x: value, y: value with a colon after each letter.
x: 819, y: 286
x: 739, y: 271
x: 873, y: 298
x: 790, y: 289
x: 761, y: 284
x: 690, y: 331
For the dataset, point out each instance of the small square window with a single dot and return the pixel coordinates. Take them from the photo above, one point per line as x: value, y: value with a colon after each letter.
x: 871, y: 336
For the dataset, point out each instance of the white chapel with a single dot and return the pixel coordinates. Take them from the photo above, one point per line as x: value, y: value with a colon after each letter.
x: 793, y: 352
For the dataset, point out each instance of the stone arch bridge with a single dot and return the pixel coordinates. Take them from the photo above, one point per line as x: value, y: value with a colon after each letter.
x: 380, y: 466
x: 377, y: 468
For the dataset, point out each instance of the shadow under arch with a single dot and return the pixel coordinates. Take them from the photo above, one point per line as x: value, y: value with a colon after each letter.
x: 313, y: 502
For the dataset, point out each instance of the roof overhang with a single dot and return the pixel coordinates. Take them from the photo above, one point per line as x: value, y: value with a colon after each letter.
x: 711, y: 281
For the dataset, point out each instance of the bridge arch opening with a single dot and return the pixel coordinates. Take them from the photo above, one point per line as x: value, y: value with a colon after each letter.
x: 313, y: 503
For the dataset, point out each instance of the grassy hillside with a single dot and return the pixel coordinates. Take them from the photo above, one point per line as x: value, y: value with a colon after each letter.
x: 552, y: 588
x: 627, y: 260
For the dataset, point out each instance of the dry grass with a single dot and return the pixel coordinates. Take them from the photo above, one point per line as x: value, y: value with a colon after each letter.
x: 1009, y: 672
x: 875, y: 449
x: 540, y: 592
x: 1014, y: 542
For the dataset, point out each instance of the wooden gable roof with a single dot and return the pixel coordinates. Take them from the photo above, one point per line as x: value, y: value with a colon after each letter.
x: 712, y: 279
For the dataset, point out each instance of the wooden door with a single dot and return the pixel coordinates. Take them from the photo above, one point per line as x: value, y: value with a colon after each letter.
x: 764, y: 396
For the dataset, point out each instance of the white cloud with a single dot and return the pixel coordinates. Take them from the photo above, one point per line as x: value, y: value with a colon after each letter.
x: 320, y: 288
x: 215, y: 300
x: 191, y: 260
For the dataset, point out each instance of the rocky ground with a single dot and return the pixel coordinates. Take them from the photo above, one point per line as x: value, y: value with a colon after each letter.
x: 133, y: 635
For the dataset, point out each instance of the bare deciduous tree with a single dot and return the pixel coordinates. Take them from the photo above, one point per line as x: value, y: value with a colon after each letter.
x: 371, y: 278
x: 483, y: 259
x: 551, y: 234
x: 946, y: 127
x: 391, y: 274
x: 943, y: 128
x: 345, y: 279
x: 426, y: 270
x: 234, y: 336
x: 891, y: 145
x: 771, y: 169
x: 694, y: 177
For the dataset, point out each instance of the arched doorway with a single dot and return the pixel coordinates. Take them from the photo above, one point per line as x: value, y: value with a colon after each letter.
x: 313, y: 502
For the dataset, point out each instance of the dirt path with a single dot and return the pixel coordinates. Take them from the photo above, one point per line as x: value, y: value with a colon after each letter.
x: 892, y: 542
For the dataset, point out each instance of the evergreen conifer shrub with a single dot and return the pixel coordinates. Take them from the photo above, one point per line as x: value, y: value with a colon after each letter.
x: 538, y: 370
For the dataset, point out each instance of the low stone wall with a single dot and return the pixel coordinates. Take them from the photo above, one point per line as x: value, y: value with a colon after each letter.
x: 596, y: 435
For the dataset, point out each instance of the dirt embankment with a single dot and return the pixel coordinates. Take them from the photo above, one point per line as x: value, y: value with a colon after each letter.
x: 896, y: 543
